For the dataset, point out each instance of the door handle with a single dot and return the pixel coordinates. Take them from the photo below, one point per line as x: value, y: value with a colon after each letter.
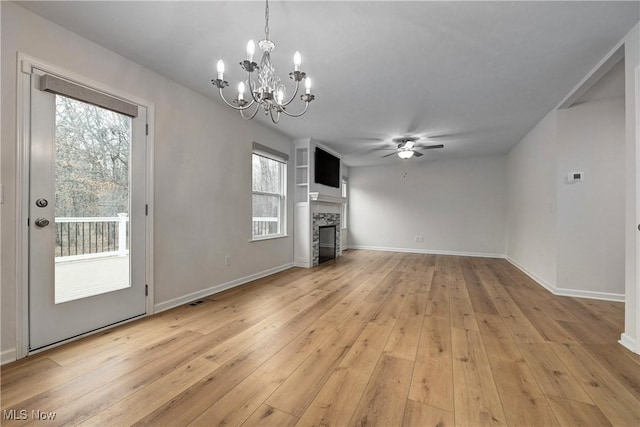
x: 42, y: 222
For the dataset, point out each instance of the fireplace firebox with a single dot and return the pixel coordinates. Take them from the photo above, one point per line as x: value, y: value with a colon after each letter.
x: 327, y: 249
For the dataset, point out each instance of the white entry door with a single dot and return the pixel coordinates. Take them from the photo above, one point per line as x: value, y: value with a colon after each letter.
x: 86, y: 210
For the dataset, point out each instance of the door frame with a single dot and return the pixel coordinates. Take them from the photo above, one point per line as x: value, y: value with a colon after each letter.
x: 23, y: 117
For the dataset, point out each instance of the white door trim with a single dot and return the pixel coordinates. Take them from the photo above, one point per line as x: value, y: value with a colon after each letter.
x: 25, y: 64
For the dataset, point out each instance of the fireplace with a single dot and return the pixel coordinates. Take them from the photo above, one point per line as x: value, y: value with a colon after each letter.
x: 321, y: 220
x: 327, y: 243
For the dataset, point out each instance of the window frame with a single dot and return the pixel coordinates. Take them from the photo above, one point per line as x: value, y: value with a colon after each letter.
x: 282, y: 159
x: 345, y: 206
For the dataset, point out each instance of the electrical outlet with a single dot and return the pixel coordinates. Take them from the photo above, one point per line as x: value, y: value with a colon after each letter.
x: 419, y: 239
x: 573, y: 177
x: 227, y: 260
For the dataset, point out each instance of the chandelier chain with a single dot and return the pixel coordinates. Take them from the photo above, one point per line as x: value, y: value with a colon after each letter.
x: 266, y: 18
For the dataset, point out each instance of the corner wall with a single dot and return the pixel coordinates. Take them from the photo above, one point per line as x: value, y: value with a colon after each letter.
x: 569, y: 237
x: 591, y: 243
x: 590, y: 218
x: 531, y: 203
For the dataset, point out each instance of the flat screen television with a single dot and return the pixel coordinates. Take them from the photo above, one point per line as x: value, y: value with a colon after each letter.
x: 327, y: 169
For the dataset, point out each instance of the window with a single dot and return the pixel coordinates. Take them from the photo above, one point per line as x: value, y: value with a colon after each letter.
x: 345, y: 194
x: 269, y: 171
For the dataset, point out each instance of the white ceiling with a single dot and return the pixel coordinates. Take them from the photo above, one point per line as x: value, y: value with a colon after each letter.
x: 478, y: 74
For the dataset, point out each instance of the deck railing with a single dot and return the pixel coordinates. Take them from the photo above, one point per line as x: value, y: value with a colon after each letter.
x: 264, y: 226
x: 91, y: 237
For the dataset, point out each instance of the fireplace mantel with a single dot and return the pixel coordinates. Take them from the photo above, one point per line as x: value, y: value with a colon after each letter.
x: 316, y: 197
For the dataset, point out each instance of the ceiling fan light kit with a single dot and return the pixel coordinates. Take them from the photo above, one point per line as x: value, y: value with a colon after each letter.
x: 407, y: 147
x: 268, y: 93
x: 405, y: 154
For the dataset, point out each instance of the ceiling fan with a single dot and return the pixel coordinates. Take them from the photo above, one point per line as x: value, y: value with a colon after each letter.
x: 408, y: 148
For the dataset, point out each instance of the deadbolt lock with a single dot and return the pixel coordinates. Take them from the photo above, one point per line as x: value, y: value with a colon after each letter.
x: 42, y: 203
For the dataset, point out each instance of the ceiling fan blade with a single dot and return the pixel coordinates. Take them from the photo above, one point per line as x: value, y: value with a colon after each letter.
x: 429, y: 147
x: 390, y: 154
x: 383, y: 148
x: 442, y: 135
x: 460, y: 134
x: 365, y: 139
x: 417, y: 154
x: 402, y: 140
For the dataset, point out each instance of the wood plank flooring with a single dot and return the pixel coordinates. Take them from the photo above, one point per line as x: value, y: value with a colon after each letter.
x: 371, y: 339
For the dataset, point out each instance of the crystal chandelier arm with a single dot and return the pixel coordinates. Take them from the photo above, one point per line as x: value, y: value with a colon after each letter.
x: 292, y: 97
x: 233, y: 106
x: 252, y: 85
x: 277, y: 118
x: 252, y: 114
x: 306, y: 106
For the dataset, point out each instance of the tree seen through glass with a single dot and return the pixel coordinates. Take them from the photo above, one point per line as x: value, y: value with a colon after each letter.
x: 92, y: 160
x: 267, y: 195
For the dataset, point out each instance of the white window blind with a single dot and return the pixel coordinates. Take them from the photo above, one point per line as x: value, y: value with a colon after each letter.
x: 53, y: 84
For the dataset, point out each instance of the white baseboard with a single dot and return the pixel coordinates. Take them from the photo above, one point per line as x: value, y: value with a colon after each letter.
x: 539, y: 280
x: 629, y: 343
x: 303, y: 264
x: 564, y: 292
x: 427, y: 251
x: 166, y: 305
x: 603, y: 296
x: 8, y: 356
x: 576, y: 293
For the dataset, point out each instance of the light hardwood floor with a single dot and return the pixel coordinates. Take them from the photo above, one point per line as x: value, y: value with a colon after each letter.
x: 374, y: 338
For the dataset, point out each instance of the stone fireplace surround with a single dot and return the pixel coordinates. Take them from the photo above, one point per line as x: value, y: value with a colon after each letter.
x: 322, y: 219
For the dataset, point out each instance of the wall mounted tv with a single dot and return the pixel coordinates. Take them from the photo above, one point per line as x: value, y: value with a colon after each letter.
x: 327, y: 169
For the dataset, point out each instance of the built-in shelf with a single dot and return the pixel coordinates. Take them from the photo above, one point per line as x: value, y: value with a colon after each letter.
x: 302, y: 157
x: 301, y: 177
x: 302, y: 174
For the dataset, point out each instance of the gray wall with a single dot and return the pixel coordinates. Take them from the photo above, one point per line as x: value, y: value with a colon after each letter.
x: 531, y: 202
x: 457, y: 206
x: 591, y: 212
x: 570, y: 236
x: 202, y: 161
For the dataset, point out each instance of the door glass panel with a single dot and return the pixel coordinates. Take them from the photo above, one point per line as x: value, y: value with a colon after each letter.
x: 92, y: 152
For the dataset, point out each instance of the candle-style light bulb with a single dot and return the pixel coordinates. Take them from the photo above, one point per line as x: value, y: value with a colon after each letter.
x: 297, y: 60
x: 251, y: 48
x: 280, y: 96
x: 307, y: 85
x: 240, y: 91
x: 220, y: 70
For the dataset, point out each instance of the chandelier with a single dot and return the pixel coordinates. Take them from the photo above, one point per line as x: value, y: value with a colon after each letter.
x: 268, y: 92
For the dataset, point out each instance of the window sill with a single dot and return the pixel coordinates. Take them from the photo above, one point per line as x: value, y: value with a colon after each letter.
x: 271, y: 237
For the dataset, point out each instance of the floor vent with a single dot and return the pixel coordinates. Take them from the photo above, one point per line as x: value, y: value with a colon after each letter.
x: 196, y: 302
